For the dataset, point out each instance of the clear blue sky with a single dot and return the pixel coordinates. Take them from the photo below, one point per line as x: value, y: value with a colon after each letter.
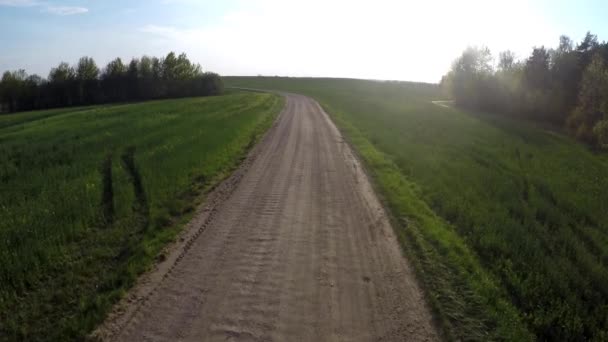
x: 381, y: 39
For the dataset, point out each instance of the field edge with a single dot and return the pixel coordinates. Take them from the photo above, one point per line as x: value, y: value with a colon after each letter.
x: 188, y: 228
x: 420, y: 248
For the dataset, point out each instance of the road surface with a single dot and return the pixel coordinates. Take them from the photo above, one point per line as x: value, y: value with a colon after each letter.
x: 298, y: 249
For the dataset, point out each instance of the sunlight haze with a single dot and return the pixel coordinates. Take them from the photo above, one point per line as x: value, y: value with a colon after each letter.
x: 403, y: 40
x: 303, y: 170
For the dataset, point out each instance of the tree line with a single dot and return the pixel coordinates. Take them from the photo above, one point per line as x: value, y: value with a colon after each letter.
x: 566, y: 85
x: 85, y: 84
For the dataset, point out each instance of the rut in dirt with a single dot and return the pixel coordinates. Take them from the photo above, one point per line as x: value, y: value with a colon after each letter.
x: 301, y: 250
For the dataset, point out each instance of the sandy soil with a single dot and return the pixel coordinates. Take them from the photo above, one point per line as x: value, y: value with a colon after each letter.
x: 295, y: 246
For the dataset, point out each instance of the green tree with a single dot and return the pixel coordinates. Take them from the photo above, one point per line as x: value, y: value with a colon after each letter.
x: 133, y: 79
x: 87, y: 74
x: 145, y: 78
x: 592, y: 103
x: 62, y: 73
x: 169, y: 66
x: 537, y: 69
x: 469, y: 75
x: 114, y: 79
x: 86, y: 69
x: 13, y: 84
x: 115, y: 69
x: 62, y: 79
x: 565, y: 77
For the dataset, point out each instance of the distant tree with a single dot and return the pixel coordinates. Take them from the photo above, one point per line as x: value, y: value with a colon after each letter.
x: 469, y: 76
x: 87, y: 74
x: 565, y: 78
x: 62, y: 73
x: 86, y: 69
x: 506, y: 61
x: 113, y: 80
x: 561, y: 86
x: 474, y: 60
x: 34, y: 96
x: 586, y: 49
x: 537, y: 82
x: 588, y: 44
x: 169, y: 66
x: 145, y: 78
x: 62, y: 84
x: 157, y: 77
x: 565, y: 44
x: 115, y: 69
x: 132, y: 79
x: 587, y: 121
x: 211, y: 83
x: 537, y: 68
x: 145, y: 67
x: 13, y: 89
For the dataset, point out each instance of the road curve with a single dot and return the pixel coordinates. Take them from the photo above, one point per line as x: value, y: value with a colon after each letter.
x: 299, y: 250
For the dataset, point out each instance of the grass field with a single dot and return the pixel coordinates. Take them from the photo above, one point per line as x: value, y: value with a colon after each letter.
x: 89, y: 196
x: 507, y: 224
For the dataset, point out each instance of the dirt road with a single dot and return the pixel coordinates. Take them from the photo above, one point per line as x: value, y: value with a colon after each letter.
x: 299, y: 249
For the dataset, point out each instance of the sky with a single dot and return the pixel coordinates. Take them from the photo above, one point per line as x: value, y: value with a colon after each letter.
x: 379, y: 39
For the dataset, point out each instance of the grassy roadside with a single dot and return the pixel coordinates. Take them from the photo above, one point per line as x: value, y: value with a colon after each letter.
x: 465, y: 298
x: 91, y: 195
x: 506, y: 222
x: 467, y: 301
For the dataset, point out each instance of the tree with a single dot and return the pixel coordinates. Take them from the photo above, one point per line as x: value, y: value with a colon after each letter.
x: 62, y: 73
x: 34, y: 95
x: 13, y: 88
x: 565, y: 78
x: 469, y: 75
x: 157, y: 77
x: 585, y: 122
x: 537, y: 68
x: 87, y: 74
x: 537, y: 82
x: 114, y: 69
x: 565, y: 45
x: 211, y: 84
x: 169, y: 67
x: 145, y: 78
x: 87, y: 70
x: 113, y: 80
x: 61, y: 81
x: 132, y: 79
x: 586, y: 49
x: 567, y: 85
x: 506, y: 61
x: 588, y: 44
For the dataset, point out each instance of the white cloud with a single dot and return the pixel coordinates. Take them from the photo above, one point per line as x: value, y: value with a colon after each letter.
x: 46, y: 7
x: 66, y: 10
x: 18, y: 3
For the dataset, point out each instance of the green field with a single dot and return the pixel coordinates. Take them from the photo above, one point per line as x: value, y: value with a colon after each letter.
x: 89, y: 196
x: 507, y: 224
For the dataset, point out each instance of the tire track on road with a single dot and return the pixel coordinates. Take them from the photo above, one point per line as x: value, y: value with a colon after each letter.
x: 299, y: 250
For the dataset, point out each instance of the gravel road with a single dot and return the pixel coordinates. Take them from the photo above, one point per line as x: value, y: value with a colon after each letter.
x: 294, y: 247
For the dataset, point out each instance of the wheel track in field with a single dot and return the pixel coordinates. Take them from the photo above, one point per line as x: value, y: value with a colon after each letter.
x: 295, y: 246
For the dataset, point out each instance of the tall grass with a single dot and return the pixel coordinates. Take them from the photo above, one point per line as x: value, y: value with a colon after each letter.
x: 90, y: 195
x: 506, y: 222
